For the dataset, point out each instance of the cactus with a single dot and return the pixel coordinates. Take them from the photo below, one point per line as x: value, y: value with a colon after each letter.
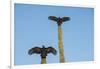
x: 60, y: 42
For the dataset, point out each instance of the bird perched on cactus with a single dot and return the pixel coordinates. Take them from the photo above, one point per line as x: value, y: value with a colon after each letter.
x: 59, y: 21
x: 43, y: 52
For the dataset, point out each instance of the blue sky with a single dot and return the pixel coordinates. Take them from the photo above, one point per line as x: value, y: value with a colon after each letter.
x: 32, y: 28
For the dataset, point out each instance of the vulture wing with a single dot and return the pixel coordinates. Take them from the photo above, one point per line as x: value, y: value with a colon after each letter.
x: 53, y: 18
x: 36, y: 50
x: 65, y: 19
x: 51, y: 50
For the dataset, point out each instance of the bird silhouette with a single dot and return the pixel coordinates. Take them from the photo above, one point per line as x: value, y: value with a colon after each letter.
x: 42, y: 51
x: 59, y: 20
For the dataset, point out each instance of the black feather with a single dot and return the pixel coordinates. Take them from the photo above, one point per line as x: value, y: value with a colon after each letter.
x: 51, y: 50
x: 65, y: 19
x: 53, y: 18
x: 36, y: 50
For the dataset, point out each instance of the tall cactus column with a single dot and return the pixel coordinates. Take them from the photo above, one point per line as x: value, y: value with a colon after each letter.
x: 60, y: 42
x: 60, y: 45
x: 43, y: 60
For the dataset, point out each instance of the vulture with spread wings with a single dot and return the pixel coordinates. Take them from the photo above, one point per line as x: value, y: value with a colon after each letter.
x: 58, y: 19
x: 42, y: 51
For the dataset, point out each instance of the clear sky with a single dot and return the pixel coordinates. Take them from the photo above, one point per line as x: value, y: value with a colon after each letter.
x: 32, y: 28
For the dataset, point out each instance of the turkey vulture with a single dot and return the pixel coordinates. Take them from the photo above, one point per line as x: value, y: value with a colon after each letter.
x: 58, y: 19
x: 42, y: 51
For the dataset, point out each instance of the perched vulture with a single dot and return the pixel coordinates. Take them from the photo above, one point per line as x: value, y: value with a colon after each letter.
x: 58, y: 19
x: 42, y: 51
